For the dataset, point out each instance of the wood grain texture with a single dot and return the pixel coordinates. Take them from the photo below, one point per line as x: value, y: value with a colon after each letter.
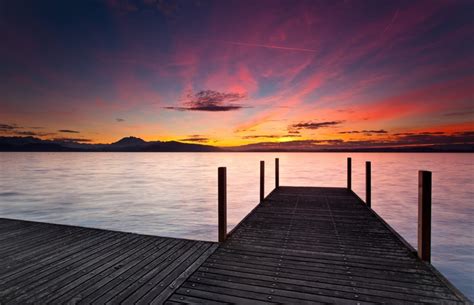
x: 306, y: 245
x: 56, y: 264
x: 300, y: 245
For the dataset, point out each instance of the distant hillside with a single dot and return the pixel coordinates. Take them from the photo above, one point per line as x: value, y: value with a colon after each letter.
x: 133, y: 144
x: 129, y: 141
x: 129, y: 144
x: 262, y: 147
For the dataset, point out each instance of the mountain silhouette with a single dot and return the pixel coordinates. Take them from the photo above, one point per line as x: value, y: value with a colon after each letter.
x: 134, y: 144
x: 129, y: 141
x: 127, y: 144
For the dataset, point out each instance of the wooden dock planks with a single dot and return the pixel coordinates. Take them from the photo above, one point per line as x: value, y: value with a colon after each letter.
x: 314, y: 246
x: 300, y: 245
x: 55, y: 264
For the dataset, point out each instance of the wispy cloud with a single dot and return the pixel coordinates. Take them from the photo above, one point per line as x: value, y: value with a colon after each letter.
x: 271, y: 136
x: 331, y: 64
x: 460, y: 113
x: 71, y: 140
x: 16, y: 130
x: 314, y: 125
x: 33, y: 133
x: 365, y: 131
x: 8, y: 127
x: 209, y: 100
x: 68, y: 131
x: 403, y: 140
x: 267, y: 46
x: 195, y: 138
x: 423, y: 138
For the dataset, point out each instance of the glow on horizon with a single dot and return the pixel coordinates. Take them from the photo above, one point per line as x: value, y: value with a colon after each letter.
x: 237, y: 73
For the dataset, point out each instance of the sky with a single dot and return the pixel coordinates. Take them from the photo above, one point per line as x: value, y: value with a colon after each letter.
x: 227, y: 73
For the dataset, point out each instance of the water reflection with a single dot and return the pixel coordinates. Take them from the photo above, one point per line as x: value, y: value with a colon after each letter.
x: 175, y: 194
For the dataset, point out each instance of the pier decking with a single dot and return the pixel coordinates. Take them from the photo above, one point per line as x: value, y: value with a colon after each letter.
x: 54, y: 264
x: 315, y: 246
x: 299, y: 245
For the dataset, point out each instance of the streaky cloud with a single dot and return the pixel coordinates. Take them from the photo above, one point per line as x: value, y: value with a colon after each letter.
x: 247, y: 44
x: 71, y: 140
x: 460, y: 113
x: 33, y: 133
x: 195, y: 138
x: 365, y: 131
x: 270, y: 136
x: 315, y: 125
x: 8, y: 127
x: 14, y: 129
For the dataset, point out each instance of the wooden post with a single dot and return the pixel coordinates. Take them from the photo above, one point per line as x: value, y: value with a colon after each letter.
x: 262, y: 180
x: 349, y: 173
x: 222, y: 203
x: 277, y: 173
x: 368, y: 184
x: 424, y: 215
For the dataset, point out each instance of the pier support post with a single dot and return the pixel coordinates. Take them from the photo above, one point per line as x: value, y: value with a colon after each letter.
x: 222, y: 203
x: 424, y: 215
x: 368, y: 184
x: 349, y: 174
x: 277, y: 173
x: 262, y: 180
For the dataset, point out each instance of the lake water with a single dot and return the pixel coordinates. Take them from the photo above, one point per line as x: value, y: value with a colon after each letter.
x: 175, y: 194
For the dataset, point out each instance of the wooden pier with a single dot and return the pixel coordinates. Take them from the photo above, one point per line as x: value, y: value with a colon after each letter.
x: 55, y: 264
x: 299, y: 245
x: 309, y: 245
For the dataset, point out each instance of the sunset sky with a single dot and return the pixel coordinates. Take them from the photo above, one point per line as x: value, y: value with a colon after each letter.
x: 232, y: 73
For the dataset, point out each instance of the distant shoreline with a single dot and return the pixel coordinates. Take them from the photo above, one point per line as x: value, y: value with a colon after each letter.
x: 237, y: 151
x: 132, y: 144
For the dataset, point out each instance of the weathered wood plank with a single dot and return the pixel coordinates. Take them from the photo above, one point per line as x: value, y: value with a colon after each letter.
x: 369, y: 283
x: 308, y: 245
x: 56, y: 264
x: 129, y: 274
x: 300, y: 245
x: 19, y: 267
x: 305, y: 283
x: 102, y: 267
x: 162, y: 297
x: 186, y: 299
x: 26, y: 287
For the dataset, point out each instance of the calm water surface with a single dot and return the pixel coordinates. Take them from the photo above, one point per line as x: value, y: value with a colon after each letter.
x: 175, y: 194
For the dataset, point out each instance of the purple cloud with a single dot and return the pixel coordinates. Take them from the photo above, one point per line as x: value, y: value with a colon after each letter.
x: 365, y: 131
x: 71, y: 140
x: 209, y: 100
x: 271, y: 136
x: 195, y: 138
x: 314, y: 125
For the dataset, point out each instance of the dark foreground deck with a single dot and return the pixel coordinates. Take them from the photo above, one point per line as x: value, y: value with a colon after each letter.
x: 55, y: 264
x: 299, y: 246
x: 315, y: 246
